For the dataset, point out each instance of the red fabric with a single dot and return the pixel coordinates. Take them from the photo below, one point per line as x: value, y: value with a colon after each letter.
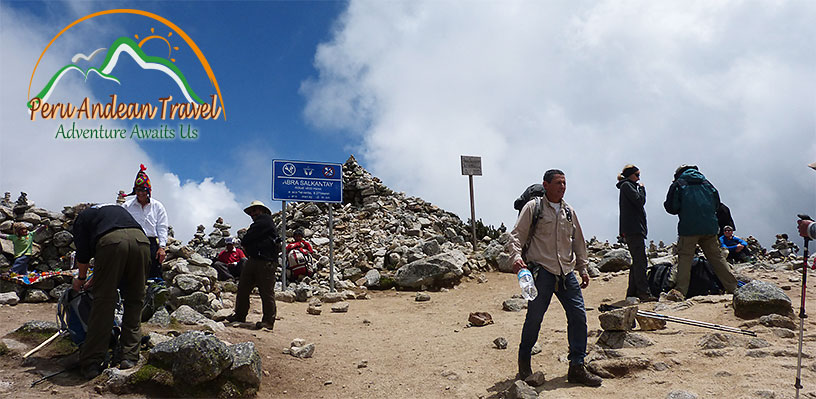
x: 302, y: 246
x: 231, y: 257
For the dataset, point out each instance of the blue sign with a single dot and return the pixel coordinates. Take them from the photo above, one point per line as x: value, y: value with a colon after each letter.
x: 307, y: 181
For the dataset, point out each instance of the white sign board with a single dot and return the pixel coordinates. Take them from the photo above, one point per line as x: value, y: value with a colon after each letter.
x: 471, y: 165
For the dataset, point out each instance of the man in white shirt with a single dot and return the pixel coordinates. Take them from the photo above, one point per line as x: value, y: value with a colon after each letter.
x: 151, y: 215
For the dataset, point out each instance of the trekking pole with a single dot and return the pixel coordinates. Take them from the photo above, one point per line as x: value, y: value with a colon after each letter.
x: 42, y: 345
x: 802, y: 314
x: 695, y: 323
x: 653, y: 315
x: 50, y: 375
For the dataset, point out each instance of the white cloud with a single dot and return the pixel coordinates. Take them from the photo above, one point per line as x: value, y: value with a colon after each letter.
x: 58, y: 172
x: 585, y: 87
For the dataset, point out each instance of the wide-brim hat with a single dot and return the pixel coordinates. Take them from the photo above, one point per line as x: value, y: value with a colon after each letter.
x: 258, y: 204
x: 812, y: 166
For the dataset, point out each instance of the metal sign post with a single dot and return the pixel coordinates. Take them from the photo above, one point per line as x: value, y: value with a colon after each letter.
x: 283, y: 246
x: 308, y: 182
x: 472, y: 166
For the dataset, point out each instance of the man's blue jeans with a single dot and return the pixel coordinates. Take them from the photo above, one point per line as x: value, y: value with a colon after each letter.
x: 569, y: 294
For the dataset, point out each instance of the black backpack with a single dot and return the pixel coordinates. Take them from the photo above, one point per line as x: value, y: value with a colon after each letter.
x: 535, y: 190
x: 703, y: 280
x: 658, y: 278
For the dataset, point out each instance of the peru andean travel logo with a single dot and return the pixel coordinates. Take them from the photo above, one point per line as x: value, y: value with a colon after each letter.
x: 174, y: 113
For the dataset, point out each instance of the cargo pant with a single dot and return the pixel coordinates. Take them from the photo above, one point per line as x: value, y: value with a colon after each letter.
x: 261, y: 273
x: 122, y: 256
x: 711, y: 248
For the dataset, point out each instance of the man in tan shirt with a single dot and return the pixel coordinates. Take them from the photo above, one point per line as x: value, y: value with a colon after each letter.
x: 554, y: 250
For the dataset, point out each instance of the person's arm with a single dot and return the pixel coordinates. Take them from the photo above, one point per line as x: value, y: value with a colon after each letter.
x: 741, y: 241
x: 161, y: 231
x: 308, y: 247
x: 724, y: 245
x: 81, y: 279
x: 670, y: 204
x: 518, y: 237
x: 580, y: 250
x: 634, y: 193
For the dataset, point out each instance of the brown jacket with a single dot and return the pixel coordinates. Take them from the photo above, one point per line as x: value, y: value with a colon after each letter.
x: 558, y: 243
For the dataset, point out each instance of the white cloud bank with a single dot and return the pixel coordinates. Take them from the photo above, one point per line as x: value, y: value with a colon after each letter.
x: 585, y: 87
x: 58, y: 172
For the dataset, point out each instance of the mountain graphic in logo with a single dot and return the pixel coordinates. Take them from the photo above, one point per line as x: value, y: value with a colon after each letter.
x: 131, y: 48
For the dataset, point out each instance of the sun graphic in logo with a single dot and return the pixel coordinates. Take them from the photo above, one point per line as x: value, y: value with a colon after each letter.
x: 170, y: 47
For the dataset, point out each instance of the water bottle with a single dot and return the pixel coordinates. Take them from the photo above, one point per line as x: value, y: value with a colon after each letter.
x: 528, y: 289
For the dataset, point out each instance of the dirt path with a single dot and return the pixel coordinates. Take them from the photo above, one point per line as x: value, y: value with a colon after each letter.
x: 425, y: 349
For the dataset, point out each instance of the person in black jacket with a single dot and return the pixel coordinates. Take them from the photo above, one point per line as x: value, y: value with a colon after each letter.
x: 262, y: 246
x: 633, y: 230
x: 122, y: 251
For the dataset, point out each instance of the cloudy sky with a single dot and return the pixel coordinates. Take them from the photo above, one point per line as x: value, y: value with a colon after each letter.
x: 408, y: 87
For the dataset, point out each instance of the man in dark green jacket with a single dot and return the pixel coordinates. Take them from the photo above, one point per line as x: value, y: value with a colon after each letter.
x: 695, y: 200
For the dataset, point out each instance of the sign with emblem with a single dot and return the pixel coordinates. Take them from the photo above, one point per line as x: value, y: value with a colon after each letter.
x: 307, y: 181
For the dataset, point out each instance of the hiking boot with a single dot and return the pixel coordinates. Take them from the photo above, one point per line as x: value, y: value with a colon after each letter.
x: 92, y: 371
x: 265, y: 324
x: 525, y: 370
x: 578, y: 374
x: 234, y: 319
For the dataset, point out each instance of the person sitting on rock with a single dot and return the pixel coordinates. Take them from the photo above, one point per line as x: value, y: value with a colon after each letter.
x: 299, y: 257
x: 230, y: 261
x: 23, y: 246
x: 737, y: 247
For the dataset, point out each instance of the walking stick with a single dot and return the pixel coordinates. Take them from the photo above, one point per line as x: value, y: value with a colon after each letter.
x: 802, y: 314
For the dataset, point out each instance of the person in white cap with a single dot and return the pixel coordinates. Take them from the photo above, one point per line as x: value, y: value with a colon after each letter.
x: 807, y: 228
x: 262, y: 245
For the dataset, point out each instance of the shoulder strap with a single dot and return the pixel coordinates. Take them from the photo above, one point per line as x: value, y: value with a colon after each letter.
x: 533, y: 223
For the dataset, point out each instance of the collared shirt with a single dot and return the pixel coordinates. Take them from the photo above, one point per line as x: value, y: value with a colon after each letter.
x: 558, y: 241
x: 152, y: 217
x: 231, y: 256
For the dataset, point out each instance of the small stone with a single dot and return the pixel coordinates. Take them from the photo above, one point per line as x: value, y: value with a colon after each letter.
x: 315, y: 310
x: 536, y: 379
x: 500, y: 343
x: 422, y: 297
x: 340, y: 307
x: 362, y: 364
x: 303, y: 352
x: 480, y: 319
x: 297, y: 342
x: 681, y: 395
x: 514, y: 304
x: 783, y: 332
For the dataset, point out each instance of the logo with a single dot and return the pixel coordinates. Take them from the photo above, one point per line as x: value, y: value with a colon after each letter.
x: 100, y: 62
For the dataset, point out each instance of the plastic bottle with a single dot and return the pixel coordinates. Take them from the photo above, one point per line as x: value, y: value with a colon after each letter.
x: 528, y: 289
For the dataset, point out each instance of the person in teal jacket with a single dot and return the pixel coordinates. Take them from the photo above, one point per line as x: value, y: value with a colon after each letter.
x: 695, y: 200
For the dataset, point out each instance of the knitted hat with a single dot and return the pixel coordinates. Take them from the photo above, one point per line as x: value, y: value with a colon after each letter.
x: 142, y: 181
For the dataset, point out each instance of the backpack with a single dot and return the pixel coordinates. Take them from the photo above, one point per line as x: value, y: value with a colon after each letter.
x: 155, y: 298
x: 74, y: 313
x: 533, y: 191
x: 295, y: 259
x: 703, y: 280
x: 658, y: 278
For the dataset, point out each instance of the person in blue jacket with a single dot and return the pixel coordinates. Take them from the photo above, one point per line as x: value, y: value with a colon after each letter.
x: 737, y: 247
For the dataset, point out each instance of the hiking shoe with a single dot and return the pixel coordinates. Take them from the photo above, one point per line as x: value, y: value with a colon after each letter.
x: 264, y: 324
x: 234, y: 319
x: 578, y: 374
x: 525, y: 370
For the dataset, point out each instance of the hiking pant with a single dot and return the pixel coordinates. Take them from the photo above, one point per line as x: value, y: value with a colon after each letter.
x: 228, y: 272
x: 711, y: 248
x: 155, y: 270
x: 260, y: 273
x: 122, y: 256
x: 638, y: 285
x: 569, y: 294
x: 741, y: 256
x: 20, y: 265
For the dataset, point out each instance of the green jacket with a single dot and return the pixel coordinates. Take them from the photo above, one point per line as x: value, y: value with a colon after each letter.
x: 695, y: 200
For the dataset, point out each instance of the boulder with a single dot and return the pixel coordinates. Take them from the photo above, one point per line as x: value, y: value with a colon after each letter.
x: 514, y: 304
x: 437, y: 271
x: 619, y: 367
x: 623, y: 339
x: 285, y: 296
x: 193, y: 357
x: 618, y: 319
x: 521, y: 390
x: 372, y: 278
x: 759, y: 298
x: 246, y: 364
x: 187, y: 315
x: 615, y: 261
x: 479, y: 319
x: 63, y: 239
x: 34, y: 295
x: 650, y: 323
x: 9, y: 298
